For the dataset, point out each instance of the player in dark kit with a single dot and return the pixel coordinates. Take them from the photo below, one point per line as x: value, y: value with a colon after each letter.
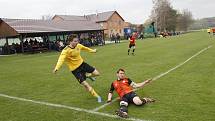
x: 124, y: 87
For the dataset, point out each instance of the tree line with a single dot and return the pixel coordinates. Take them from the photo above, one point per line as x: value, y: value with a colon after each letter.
x: 167, y: 18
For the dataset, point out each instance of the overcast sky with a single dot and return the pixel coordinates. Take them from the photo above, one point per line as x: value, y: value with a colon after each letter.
x: 135, y: 11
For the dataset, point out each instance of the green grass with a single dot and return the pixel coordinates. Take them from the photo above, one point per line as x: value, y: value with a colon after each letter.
x: 186, y: 93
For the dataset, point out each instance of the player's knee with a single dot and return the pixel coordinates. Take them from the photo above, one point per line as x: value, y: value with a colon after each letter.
x: 137, y: 101
x: 96, y: 73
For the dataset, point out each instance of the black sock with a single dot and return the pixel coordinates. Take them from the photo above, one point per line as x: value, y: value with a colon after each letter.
x: 124, y: 108
x: 128, y: 51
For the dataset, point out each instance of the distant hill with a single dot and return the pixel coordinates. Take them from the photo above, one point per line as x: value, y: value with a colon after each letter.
x: 203, y: 23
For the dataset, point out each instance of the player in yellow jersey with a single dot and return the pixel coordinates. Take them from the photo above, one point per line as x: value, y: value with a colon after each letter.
x: 71, y: 55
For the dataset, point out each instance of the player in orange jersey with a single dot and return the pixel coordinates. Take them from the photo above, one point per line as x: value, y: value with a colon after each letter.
x: 124, y: 88
x: 132, y: 43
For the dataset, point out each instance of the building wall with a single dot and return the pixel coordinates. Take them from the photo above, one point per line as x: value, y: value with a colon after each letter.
x: 127, y: 25
x: 114, y: 25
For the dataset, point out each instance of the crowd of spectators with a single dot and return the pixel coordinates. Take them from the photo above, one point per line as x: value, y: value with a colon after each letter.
x: 32, y: 45
x: 92, y: 40
x: 29, y: 45
x: 11, y: 49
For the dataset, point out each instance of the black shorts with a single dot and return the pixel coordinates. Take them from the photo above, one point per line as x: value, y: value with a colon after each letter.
x: 129, y: 97
x: 80, y: 72
x: 131, y: 45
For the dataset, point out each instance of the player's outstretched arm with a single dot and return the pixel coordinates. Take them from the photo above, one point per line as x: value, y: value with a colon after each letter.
x: 88, y: 49
x: 140, y: 85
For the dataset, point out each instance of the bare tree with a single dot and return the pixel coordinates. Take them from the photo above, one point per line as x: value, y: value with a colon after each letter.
x: 184, y: 20
x: 168, y: 19
x: 162, y: 14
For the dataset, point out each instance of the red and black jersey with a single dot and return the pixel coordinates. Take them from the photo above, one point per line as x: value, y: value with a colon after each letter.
x: 132, y: 39
x: 122, y: 87
x: 213, y: 30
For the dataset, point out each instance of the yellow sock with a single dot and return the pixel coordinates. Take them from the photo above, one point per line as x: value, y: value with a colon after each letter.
x: 93, y: 93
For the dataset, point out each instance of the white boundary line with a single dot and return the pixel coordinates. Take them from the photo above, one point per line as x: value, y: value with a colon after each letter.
x: 181, y: 64
x: 159, y: 76
x: 68, y: 107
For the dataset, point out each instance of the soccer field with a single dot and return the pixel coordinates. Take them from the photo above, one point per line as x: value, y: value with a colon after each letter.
x: 184, y: 89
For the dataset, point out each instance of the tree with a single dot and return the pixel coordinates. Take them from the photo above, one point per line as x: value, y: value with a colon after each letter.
x: 168, y: 19
x: 164, y: 15
x: 184, y: 20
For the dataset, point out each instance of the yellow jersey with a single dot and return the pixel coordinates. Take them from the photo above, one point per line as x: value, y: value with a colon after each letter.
x: 72, y: 57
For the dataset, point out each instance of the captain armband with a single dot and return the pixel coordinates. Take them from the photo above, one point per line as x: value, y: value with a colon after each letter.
x: 134, y: 85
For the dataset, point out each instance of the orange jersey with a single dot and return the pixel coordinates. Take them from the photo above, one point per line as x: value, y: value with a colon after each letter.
x: 213, y: 30
x: 122, y: 87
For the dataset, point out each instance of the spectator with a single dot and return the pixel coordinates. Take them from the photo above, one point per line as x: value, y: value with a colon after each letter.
x: 117, y: 38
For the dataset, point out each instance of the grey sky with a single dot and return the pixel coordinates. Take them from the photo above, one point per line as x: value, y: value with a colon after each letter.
x: 135, y: 11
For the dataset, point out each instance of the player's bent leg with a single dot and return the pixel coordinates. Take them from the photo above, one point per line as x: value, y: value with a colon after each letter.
x: 92, y: 91
x: 138, y: 101
x: 92, y: 75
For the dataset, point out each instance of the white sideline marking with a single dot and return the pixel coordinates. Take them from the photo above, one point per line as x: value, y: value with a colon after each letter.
x: 179, y: 65
x: 67, y: 107
x: 159, y: 76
